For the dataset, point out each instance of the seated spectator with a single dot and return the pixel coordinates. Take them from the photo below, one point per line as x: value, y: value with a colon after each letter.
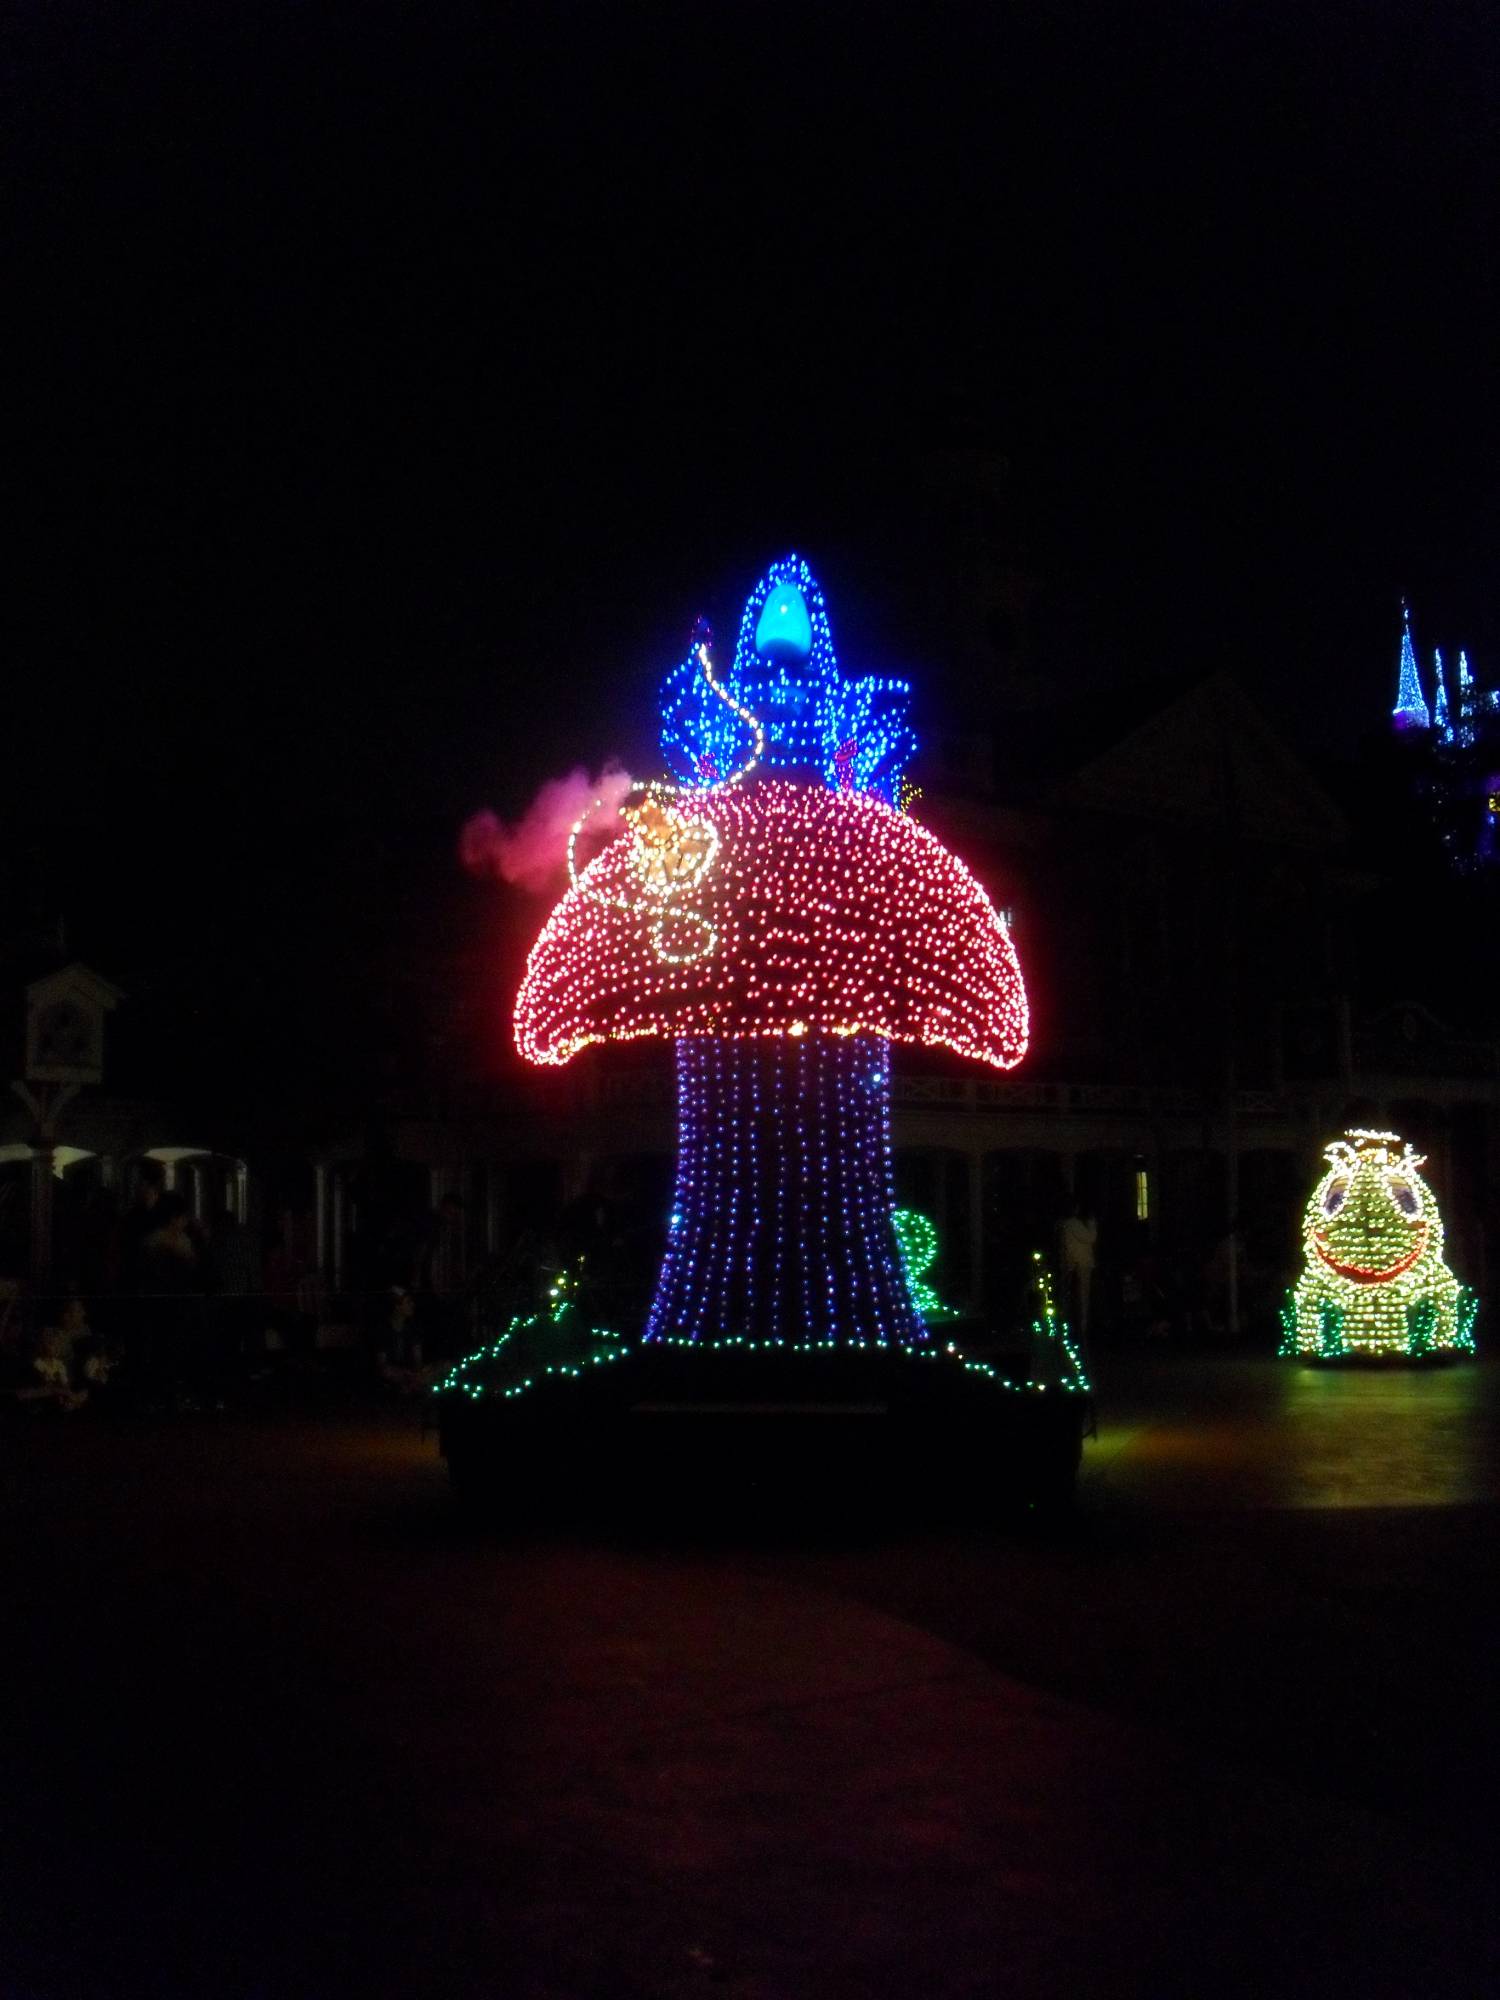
x: 36, y: 1373
x: 91, y: 1359
x: 51, y: 1379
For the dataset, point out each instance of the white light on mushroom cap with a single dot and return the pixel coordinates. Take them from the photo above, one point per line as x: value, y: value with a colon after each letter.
x: 826, y: 909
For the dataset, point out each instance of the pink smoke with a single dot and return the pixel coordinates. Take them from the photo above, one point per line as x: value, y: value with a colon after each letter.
x: 533, y: 852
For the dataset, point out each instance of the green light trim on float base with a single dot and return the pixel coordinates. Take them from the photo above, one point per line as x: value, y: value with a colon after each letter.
x: 587, y: 1347
x: 917, y: 1242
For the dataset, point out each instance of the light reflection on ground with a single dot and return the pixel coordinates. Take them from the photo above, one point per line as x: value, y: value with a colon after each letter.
x: 1208, y: 1434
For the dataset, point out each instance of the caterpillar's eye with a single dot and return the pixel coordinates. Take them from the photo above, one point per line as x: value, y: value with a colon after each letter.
x: 1406, y: 1198
x: 1333, y: 1201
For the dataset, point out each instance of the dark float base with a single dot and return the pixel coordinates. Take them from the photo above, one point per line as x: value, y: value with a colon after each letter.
x: 691, y: 1438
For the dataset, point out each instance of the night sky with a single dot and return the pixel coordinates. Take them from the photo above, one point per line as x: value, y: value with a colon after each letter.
x: 390, y: 387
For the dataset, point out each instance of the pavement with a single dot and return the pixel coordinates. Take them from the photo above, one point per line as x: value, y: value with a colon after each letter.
x: 282, y: 1723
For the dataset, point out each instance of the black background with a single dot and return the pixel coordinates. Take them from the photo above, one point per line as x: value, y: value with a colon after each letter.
x: 391, y: 387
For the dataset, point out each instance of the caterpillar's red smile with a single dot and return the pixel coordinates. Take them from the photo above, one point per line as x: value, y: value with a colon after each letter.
x: 1360, y: 1273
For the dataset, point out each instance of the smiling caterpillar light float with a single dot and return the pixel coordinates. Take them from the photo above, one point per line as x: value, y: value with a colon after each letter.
x: 1374, y: 1282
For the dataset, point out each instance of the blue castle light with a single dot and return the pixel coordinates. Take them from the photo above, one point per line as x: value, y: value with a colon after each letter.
x: 1457, y: 742
x: 1411, y: 711
x: 851, y: 734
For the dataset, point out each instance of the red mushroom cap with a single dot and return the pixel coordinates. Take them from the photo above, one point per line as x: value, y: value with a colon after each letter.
x: 799, y: 910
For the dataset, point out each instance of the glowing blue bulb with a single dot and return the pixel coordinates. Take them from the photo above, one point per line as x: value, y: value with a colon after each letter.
x: 784, y: 633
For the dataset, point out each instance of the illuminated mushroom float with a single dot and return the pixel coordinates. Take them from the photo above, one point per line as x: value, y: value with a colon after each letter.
x: 774, y: 910
x: 776, y: 914
x: 1374, y: 1283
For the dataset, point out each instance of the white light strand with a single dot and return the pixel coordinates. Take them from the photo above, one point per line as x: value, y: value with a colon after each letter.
x: 673, y: 885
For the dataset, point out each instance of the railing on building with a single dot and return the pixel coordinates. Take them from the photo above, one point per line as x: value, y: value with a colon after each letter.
x: 980, y: 1094
x: 970, y: 1093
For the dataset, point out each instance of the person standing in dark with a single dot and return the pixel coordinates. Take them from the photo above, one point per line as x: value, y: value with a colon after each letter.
x: 440, y: 1312
x: 15, y: 1363
x: 97, y: 1236
x: 591, y: 1234
x: 131, y: 1323
x: 286, y: 1267
x: 1077, y: 1243
x: 171, y: 1299
x: 397, y: 1346
x: 439, y: 1234
x: 137, y: 1223
x: 233, y: 1273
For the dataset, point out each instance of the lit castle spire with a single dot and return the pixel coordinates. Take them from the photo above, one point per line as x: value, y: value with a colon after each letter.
x: 1440, y: 718
x: 1468, y: 702
x: 1410, y: 711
